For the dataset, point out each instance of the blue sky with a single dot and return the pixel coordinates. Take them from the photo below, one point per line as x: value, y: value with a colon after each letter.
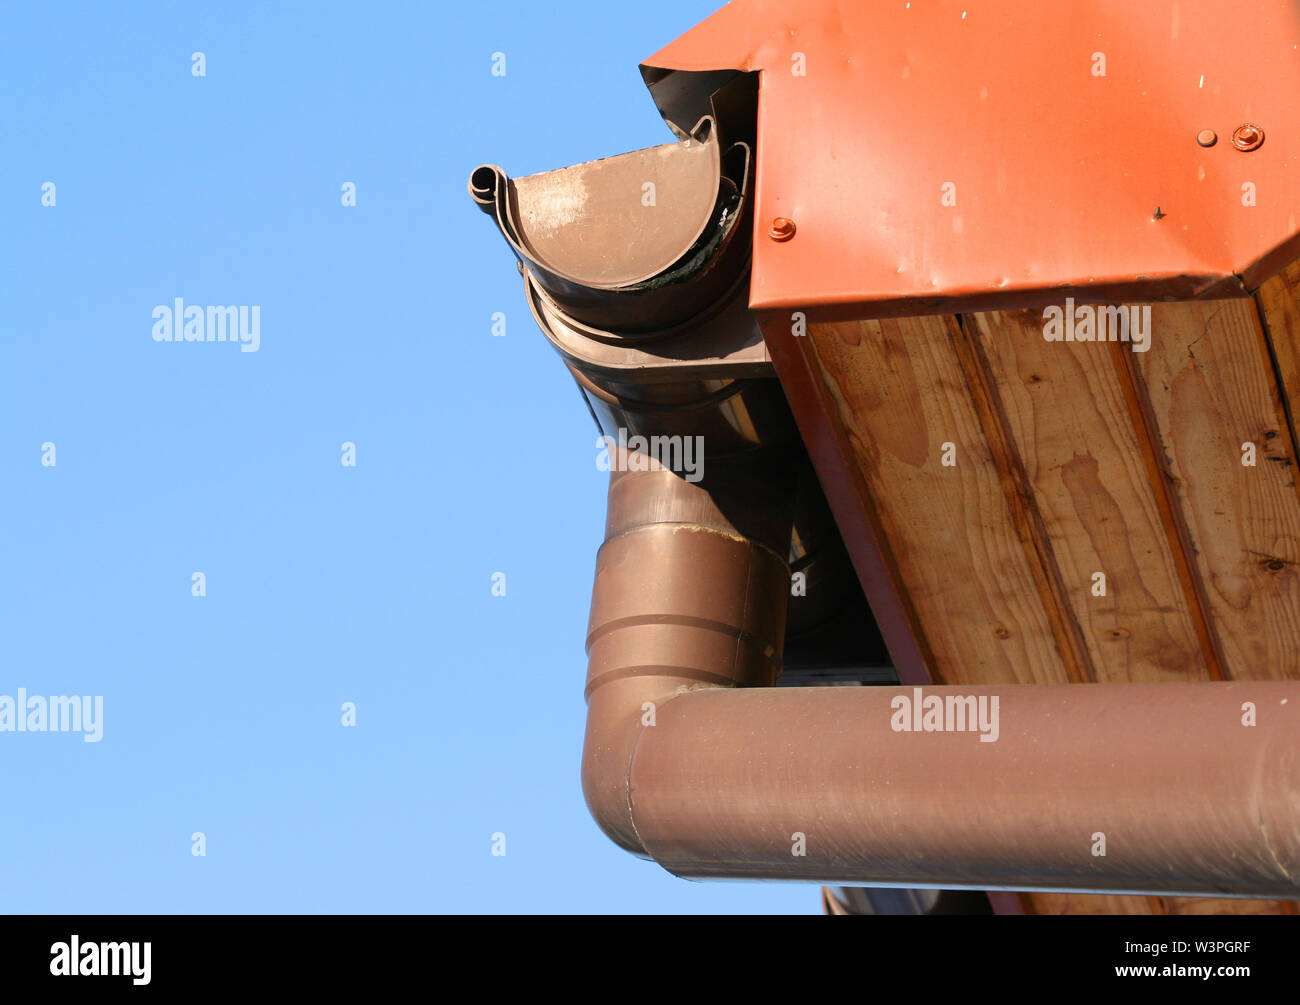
x: 325, y: 584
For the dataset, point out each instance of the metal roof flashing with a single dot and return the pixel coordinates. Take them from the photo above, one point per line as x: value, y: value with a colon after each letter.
x: 988, y: 154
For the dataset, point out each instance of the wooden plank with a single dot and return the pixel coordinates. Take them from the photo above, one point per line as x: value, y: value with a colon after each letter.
x: 902, y: 392
x: 1090, y: 903
x: 1216, y: 905
x: 1209, y: 387
x: 1092, y: 476
x: 1279, y: 304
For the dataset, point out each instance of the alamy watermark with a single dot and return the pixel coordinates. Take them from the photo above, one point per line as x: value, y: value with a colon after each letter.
x: 75, y: 958
x: 179, y: 323
x: 953, y: 713
x: 1098, y: 324
x: 682, y: 454
x: 57, y: 714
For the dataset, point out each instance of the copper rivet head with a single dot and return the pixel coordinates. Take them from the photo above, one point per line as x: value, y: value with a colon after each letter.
x: 1247, y: 136
x: 782, y: 229
x: 1207, y: 137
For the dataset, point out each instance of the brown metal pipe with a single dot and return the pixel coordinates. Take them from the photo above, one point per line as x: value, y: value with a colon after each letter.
x: 1186, y: 799
x: 682, y: 601
x: 693, y: 762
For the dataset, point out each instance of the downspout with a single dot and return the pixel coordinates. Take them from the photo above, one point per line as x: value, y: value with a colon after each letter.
x: 683, y: 602
x: 692, y: 758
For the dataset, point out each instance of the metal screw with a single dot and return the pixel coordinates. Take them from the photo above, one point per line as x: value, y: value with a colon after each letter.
x: 782, y: 229
x: 1157, y: 215
x: 1247, y: 136
x: 1207, y: 137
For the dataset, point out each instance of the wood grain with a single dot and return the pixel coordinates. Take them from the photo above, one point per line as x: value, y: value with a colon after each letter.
x: 1090, y: 903
x: 1210, y: 388
x: 1278, y: 301
x: 1216, y: 905
x: 1070, y: 417
x: 901, y: 393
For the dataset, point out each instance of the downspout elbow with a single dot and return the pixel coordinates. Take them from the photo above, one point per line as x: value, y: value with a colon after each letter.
x: 682, y: 601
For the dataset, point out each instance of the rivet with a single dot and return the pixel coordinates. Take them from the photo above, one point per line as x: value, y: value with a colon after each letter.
x: 1247, y: 136
x: 1207, y: 137
x: 782, y: 229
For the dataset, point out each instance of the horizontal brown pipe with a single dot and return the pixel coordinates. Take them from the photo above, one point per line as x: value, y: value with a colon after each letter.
x: 1189, y: 799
